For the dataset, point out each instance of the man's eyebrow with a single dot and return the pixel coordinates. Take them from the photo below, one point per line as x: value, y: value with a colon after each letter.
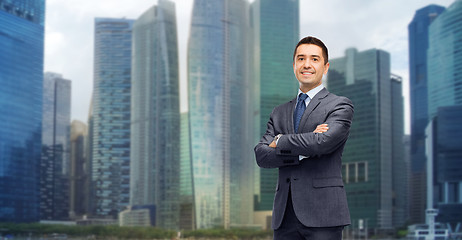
x: 303, y: 55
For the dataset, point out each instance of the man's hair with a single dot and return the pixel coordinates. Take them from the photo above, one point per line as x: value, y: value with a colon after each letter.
x: 314, y: 41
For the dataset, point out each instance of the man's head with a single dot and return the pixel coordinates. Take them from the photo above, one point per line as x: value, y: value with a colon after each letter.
x: 310, y: 62
x: 314, y: 41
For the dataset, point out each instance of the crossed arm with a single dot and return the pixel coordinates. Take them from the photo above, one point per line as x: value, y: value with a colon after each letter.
x: 324, y: 140
x: 319, y: 129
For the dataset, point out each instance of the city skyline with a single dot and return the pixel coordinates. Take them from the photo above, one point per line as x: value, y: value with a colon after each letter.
x: 222, y: 84
x: 69, y: 35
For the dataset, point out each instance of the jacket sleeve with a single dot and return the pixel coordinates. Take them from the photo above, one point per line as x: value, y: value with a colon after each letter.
x: 266, y: 156
x: 316, y: 144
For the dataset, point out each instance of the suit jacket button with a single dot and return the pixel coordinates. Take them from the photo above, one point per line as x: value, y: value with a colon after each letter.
x: 288, y: 180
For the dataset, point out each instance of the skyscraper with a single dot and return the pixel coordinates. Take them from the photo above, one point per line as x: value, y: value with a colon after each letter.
x: 55, y: 162
x: 444, y: 61
x: 218, y: 63
x: 444, y: 150
x: 21, y: 78
x: 79, y: 175
x: 155, y: 116
x: 111, y: 116
x: 418, y: 45
x: 364, y: 77
x: 276, y: 32
x: 399, y: 165
x: 187, y: 216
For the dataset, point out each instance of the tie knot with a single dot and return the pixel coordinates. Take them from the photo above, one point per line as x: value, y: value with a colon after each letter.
x: 302, y: 97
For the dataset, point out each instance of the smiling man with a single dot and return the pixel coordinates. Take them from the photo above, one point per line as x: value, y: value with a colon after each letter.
x: 305, y: 139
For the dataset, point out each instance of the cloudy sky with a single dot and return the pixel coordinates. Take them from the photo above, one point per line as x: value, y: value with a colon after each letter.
x: 341, y: 24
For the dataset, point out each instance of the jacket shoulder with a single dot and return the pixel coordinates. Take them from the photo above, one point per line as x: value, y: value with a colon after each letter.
x: 336, y: 98
x: 284, y: 106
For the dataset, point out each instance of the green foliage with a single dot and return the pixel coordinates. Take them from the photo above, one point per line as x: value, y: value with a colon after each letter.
x: 401, y: 233
x: 234, y: 233
x: 116, y: 232
x: 96, y: 230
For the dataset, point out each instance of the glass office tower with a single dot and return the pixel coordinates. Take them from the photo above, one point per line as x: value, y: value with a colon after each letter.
x: 418, y: 44
x: 444, y: 149
x: 444, y: 61
x: 55, y: 164
x: 187, y: 218
x: 276, y: 32
x: 155, y: 115
x: 21, y: 80
x: 364, y: 77
x: 111, y: 116
x: 400, y: 186
x: 218, y: 63
x: 78, y: 190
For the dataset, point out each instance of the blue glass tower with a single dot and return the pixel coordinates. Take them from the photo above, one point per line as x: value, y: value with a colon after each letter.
x: 55, y: 164
x: 155, y: 115
x: 418, y: 44
x: 21, y: 78
x: 111, y: 116
x: 444, y: 61
x: 218, y: 113
x: 445, y: 151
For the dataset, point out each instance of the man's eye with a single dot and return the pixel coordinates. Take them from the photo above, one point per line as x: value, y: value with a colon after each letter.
x: 301, y: 59
x: 315, y: 59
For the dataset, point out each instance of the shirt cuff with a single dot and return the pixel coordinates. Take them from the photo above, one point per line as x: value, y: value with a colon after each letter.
x: 301, y: 157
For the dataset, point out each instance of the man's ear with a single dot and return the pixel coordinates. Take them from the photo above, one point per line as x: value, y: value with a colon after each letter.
x: 326, y: 68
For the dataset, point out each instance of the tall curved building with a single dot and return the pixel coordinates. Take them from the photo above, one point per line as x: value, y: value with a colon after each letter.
x: 444, y: 59
x: 155, y: 115
x: 218, y: 54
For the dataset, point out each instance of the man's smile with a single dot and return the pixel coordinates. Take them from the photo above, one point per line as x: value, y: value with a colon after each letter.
x: 307, y: 73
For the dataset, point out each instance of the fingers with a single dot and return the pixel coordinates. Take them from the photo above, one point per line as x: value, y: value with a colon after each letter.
x: 321, y: 128
x: 273, y: 144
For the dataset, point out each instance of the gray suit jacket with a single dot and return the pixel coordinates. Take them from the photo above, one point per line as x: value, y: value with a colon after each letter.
x: 316, y: 184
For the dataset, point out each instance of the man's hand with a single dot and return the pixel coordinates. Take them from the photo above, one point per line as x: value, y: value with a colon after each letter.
x: 319, y: 129
x: 273, y: 143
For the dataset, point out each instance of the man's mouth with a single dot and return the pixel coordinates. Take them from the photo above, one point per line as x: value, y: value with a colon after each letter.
x: 307, y: 73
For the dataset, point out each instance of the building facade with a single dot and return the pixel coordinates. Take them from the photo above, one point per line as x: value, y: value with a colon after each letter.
x: 79, y: 175
x: 187, y: 216
x: 155, y: 115
x: 364, y: 77
x: 21, y: 78
x: 55, y: 160
x: 218, y: 63
x: 444, y: 60
x: 275, y: 26
x: 418, y: 83
x: 445, y: 112
x: 111, y: 117
x: 444, y: 150
x: 400, y: 185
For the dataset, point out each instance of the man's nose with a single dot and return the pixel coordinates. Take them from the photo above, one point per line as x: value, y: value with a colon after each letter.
x: 307, y: 64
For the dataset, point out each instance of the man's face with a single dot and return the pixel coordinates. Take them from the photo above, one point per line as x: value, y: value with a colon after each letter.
x: 309, y: 66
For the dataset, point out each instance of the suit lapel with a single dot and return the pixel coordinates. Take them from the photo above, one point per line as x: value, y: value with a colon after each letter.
x: 290, y: 114
x: 310, y: 108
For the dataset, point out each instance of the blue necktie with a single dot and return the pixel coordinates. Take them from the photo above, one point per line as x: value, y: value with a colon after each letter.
x: 299, y: 110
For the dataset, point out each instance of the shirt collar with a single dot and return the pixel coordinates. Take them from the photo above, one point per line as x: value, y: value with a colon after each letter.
x: 312, y: 92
